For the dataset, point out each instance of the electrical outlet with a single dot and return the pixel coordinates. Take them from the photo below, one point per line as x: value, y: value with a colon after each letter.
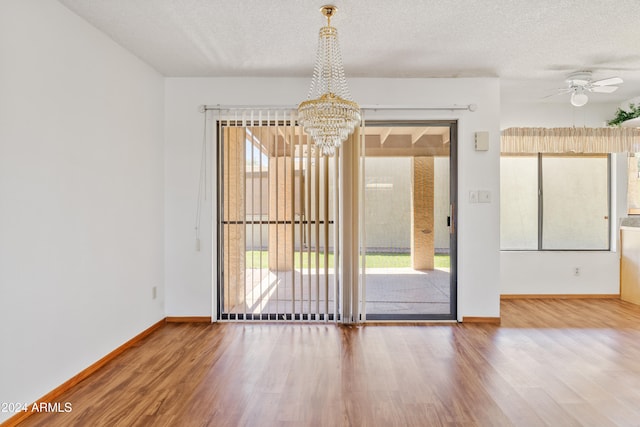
x: 576, y: 271
x: 473, y: 197
x: 154, y: 292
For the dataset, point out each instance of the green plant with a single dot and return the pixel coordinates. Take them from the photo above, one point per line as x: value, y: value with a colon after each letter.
x: 623, y: 115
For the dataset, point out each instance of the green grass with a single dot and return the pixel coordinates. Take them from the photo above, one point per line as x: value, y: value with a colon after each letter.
x: 258, y: 259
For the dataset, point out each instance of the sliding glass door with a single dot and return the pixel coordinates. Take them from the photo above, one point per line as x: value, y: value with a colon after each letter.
x: 367, y: 234
x: 409, y: 233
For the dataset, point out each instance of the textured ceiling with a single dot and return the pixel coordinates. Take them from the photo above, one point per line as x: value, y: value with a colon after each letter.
x: 530, y: 45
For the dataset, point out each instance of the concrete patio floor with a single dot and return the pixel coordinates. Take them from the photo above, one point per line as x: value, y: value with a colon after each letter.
x: 389, y: 291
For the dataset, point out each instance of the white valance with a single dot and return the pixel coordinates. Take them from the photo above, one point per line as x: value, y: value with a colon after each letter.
x: 570, y: 140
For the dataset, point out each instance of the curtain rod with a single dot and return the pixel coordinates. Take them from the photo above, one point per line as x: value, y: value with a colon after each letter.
x: 469, y: 107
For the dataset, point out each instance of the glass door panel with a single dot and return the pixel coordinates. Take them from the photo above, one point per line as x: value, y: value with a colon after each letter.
x: 407, y: 223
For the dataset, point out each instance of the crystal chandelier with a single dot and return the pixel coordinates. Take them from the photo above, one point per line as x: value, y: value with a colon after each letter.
x: 328, y: 115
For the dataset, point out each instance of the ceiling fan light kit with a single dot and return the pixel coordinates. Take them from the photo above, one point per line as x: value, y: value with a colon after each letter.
x: 579, y: 98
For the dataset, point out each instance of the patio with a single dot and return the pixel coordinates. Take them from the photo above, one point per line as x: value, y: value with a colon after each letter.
x: 396, y: 291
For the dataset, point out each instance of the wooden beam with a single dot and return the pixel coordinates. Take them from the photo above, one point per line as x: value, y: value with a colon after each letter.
x: 445, y: 138
x: 397, y: 141
x: 372, y: 141
x: 408, y: 152
x: 434, y: 141
x: 417, y: 134
x: 384, y: 135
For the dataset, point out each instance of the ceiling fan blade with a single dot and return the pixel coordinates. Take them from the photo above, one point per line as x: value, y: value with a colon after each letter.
x: 559, y: 92
x: 604, y: 89
x: 608, y: 82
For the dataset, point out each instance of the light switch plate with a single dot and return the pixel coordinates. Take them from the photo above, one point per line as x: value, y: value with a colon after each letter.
x: 473, y: 197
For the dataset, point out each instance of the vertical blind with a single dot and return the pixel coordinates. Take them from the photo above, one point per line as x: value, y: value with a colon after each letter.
x: 278, y: 255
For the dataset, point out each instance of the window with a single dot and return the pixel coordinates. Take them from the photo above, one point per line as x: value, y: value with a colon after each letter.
x: 633, y: 187
x: 554, y: 202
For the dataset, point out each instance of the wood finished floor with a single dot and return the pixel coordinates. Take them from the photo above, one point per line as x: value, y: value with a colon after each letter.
x: 551, y: 362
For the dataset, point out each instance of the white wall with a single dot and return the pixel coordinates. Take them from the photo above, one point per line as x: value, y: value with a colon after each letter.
x: 81, y: 197
x: 188, y: 273
x: 553, y: 272
x: 555, y: 114
x: 387, y: 211
x: 524, y: 272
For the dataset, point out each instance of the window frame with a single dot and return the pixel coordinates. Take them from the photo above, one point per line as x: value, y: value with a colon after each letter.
x: 540, y: 212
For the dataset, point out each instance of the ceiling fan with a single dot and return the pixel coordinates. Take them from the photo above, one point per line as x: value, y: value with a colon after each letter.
x: 580, y: 82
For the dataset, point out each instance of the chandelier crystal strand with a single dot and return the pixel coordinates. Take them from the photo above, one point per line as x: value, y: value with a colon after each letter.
x: 329, y: 114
